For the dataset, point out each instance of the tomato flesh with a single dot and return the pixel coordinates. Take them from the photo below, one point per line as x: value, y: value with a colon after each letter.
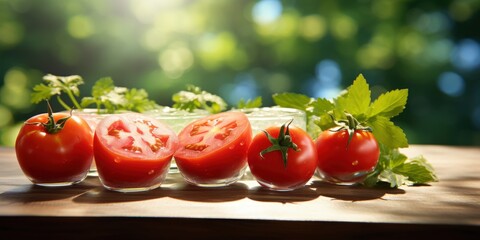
x: 62, y: 158
x: 270, y: 171
x: 213, y: 150
x: 340, y: 163
x: 133, y: 152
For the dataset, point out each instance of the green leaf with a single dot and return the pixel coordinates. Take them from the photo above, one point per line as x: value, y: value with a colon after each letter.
x: 321, y: 106
x: 389, y: 104
x: 42, y: 92
x: 418, y: 170
x: 292, y: 100
x: 357, y: 100
x: 393, y: 178
x: 255, y: 103
x: 65, y: 83
x: 387, y: 133
x: 195, y: 98
x: 102, y: 86
x: 87, y: 101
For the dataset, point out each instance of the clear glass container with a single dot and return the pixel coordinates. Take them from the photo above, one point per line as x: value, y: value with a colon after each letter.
x: 92, y: 116
x: 262, y: 118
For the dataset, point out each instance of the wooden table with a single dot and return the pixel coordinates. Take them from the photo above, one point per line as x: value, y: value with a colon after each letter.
x: 450, y: 207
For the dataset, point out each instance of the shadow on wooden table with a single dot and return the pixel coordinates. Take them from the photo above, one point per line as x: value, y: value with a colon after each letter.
x: 297, y: 195
x: 352, y: 192
x: 33, y: 193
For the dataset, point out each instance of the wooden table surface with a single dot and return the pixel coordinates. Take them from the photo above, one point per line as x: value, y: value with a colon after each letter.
x: 450, y: 207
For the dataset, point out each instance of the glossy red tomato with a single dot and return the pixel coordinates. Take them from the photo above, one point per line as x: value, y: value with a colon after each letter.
x: 342, y: 162
x: 213, y: 150
x: 55, y: 159
x: 133, y: 152
x: 271, y: 171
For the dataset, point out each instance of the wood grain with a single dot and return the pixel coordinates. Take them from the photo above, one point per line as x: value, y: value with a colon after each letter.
x: 450, y: 206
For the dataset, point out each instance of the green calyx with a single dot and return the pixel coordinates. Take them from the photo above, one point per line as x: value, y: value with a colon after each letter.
x: 282, y: 143
x: 51, y: 126
x: 350, y: 124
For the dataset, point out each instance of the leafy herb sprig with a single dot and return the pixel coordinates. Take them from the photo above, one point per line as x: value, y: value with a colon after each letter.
x: 393, y: 167
x: 195, y: 98
x: 104, y: 95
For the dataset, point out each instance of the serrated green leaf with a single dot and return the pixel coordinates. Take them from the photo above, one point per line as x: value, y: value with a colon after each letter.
x: 321, y: 106
x: 387, y: 133
x: 357, y: 100
x: 418, y: 170
x: 395, y: 180
x: 102, y: 86
x: 292, y: 100
x: 42, y: 92
x: 389, y: 104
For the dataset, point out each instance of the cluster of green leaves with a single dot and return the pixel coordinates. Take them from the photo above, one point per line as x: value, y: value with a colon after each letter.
x: 195, y: 98
x: 105, y: 95
x: 393, y: 167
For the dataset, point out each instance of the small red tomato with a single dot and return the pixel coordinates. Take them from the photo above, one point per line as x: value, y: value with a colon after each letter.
x: 55, y: 149
x: 133, y: 152
x: 213, y: 149
x: 341, y: 160
x: 282, y: 159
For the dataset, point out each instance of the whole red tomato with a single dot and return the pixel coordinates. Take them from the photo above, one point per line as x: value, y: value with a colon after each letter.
x: 282, y: 158
x: 55, y: 152
x: 213, y: 150
x: 133, y: 152
x: 341, y: 160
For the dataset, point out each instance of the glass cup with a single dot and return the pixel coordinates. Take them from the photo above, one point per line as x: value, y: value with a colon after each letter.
x: 262, y: 118
x: 92, y: 116
x: 176, y: 119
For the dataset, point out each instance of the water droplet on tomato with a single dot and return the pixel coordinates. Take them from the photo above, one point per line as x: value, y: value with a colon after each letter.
x: 151, y: 172
x: 355, y: 163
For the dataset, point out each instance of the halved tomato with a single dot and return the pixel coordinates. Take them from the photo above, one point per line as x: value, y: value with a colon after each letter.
x: 133, y: 152
x: 213, y: 150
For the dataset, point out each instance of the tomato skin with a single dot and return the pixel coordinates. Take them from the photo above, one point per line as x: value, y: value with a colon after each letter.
x: 270, y: 171
x: 224, y: 161
x: 58, y: 159
x: 339, y: 164
x: 129, y: 171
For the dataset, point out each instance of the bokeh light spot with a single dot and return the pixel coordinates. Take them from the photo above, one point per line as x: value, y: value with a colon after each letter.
x: 326, y: 83
x: 461, y: 10
x: 267, y: 11
x: 80, y: 26
x: 175, y: 60
x: 343, y: 27
x: 11, y: 33
x: 313, y: 27
x: 7, y: 116
x: 244, y: 87
x: 466, y: 55
x: 451, y: 84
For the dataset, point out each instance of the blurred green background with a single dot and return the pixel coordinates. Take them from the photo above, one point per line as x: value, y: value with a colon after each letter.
x: 244, y: 49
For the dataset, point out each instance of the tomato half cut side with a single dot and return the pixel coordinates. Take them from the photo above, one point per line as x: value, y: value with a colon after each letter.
x: 213, y: 150
x: 133, y: 152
